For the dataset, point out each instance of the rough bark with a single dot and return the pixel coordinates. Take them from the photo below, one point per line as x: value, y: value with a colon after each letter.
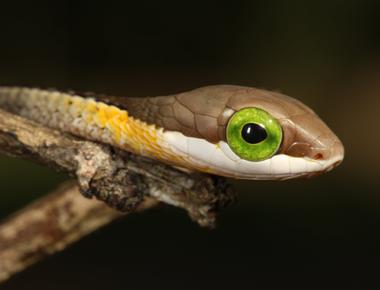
x: 50, y: 225
x: 122, y: 180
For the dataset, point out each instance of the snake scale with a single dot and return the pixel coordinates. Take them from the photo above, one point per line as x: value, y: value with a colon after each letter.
x: 232, y: 131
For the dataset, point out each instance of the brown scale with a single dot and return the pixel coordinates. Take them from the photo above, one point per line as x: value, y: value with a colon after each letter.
x: 204, y: 113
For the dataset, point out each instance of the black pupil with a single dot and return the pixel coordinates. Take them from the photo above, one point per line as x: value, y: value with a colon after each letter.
x: 253, y: 133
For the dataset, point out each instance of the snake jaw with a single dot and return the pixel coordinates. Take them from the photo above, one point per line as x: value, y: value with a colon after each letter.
x: 219, y: 159
x: 158, y: 128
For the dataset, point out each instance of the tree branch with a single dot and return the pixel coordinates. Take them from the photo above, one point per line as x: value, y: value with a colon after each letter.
x: 50, y: 225
x: 122, y: 180
x: 116, y: 177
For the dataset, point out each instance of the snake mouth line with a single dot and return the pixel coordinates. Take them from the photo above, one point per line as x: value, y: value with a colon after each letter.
x: 158, y: 128
x: 333, y: 164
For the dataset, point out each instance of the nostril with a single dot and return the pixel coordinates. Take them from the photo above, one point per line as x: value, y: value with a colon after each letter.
x: 318, y: 156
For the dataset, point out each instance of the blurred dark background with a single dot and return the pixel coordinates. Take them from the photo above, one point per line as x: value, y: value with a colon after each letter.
x: 321, y: 233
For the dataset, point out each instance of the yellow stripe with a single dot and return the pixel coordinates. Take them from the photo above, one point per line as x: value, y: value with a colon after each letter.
x: 126, y: 132
x: 97, y: 121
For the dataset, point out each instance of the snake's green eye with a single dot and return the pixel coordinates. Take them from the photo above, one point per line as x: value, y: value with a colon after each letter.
x: 253, y: 134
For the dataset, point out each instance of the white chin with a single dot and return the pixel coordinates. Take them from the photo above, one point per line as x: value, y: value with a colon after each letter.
x: 280, y: 166
x: 219, y: 159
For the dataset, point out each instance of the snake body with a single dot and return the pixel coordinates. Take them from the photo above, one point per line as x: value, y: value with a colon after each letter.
x: 188, y: 129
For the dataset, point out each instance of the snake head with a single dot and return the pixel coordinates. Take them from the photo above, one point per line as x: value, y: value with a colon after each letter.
x: 251, y: 133
x: 232, y: 131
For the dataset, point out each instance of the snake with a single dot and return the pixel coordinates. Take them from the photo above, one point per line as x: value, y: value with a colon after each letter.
x: 226, y: 130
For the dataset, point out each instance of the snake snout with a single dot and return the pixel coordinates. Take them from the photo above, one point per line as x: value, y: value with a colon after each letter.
x: 330, y: 156
x: 312, y: 139
x: 336, y: 155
